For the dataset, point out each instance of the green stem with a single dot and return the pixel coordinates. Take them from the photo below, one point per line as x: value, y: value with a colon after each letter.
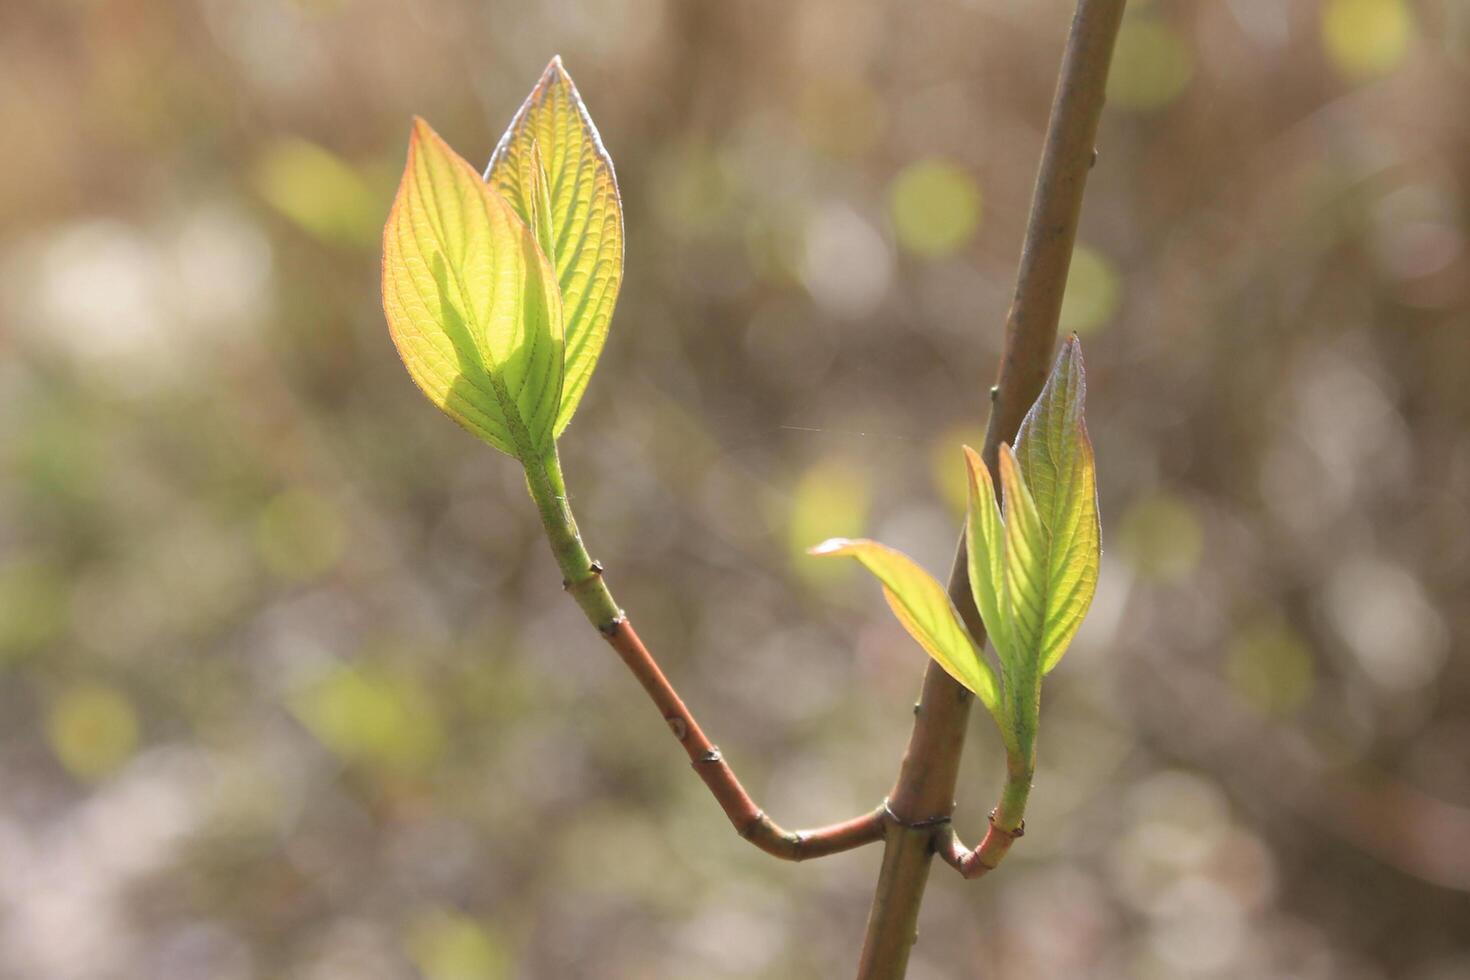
x: 581, y: 576
x: 1010, y: 813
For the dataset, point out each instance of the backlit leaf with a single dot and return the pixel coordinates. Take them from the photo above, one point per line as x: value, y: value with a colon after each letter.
x: 538, y: 196
x: 1025, y: 580
x: 552, y: 168
x: 472, y: 303
x: 1023, y: 596
x: 985, y: 547
x: 924, y: 609
x: 1057, y: 467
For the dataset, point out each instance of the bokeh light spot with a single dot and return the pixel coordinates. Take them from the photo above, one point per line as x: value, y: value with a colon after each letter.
x: 1161, y: 537
x: 1270, y: 667
x: 1151, y: 66
x: 830, y: 500
x: 1366, y: 38
x: 935, y: 206
x: 319, y: 192
x: 371, y: 716
x: 447, y: 945
x: 846, y: 266
x: 93, y: 730
x: 1094, y: 292
x: 1388, y: 621
x: 947, y: 465
x: 299, y: 535
x: 694, y: 190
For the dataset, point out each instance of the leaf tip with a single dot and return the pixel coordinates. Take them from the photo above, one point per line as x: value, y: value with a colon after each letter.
x: 555, y: 74
x: 1012, y: 483
x: 423, y: 134
x: 832, y: 546
x: 973, y: 460
x: 1070, y: 358
x: 976, y: 472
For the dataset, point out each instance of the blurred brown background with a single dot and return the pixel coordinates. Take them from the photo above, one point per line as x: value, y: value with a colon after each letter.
x: 287, y: 686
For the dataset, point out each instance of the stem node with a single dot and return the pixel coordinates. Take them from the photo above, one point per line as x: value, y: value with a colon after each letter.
x: 1016, y: 834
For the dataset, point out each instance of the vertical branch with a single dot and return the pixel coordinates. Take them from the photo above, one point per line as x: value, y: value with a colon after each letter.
x: 923, y: 796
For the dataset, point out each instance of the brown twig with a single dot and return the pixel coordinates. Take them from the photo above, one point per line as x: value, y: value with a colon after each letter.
x: 923, y: 797
x: 583, y: 581
x: 748, y: 819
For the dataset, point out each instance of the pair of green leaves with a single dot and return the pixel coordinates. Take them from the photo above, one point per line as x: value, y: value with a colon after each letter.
x: 1033, y: 564
x: 499, y: 291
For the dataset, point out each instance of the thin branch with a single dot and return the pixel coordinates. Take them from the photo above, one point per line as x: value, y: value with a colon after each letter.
x: 923, y: 797
x: 584, y: 582
x: 749, y: 820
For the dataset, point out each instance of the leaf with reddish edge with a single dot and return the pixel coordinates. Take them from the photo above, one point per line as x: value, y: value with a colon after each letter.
x: 471, y: 301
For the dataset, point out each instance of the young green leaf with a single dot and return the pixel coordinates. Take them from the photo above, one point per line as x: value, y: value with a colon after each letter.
x: 924, y: 609
x: 539, y: 198
x: 1025, y: 576
x: 985, y: 550
x: 1057, y: 466
x: 472, y: 303
x: 1033, y: 561
x: 551, y: 166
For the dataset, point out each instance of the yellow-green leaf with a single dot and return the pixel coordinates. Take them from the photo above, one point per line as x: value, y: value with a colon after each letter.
x: 985, y: 548
x: 551, y: 166
x: 1057, y: 467
x: 1022, y: 587
x: 924, y: 609
x: 1025, y: 584
x: 472, y: 303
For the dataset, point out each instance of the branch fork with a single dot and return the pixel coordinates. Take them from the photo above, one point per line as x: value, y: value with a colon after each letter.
x: 511, y: 364
x: 915, y: 820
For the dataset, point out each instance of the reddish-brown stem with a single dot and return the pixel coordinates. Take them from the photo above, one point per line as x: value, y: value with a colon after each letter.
x: 583, y: 581
x: 983, y: 859
x: 749, y: 820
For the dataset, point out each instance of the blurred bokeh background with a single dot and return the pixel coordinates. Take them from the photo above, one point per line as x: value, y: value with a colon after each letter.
x: 287, y: 686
